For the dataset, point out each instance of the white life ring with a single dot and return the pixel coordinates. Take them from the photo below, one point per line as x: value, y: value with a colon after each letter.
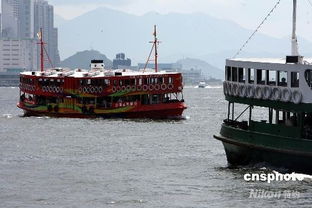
x: 157, y: 87
x: 151, y: 87
x: 225, y: 88
x: 170, y: 86
x: 145, y: 87
x: 250, y: 91
x: 297, y: 96
x: 236, y: 89
x: 114, y: 89
x: 139, y: 87
x: 85, y: 90
x: 276, y: 94
x: 57, y: 89
x: 118, y: 88
x: 80, y: 90
x: 242, y: 91
x: 163, y: 86
x: 100, y: 89
x: 128, y: 87
x: 267, y: 92
x: 286, y: 95
x: 91, y: 89
x: 258, y: 92
x: 133, y: 88
x: 44, y: 89
x: 54, y: 88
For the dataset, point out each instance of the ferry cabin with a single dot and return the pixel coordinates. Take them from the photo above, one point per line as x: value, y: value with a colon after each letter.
x: 282, y: 86
x: 61, y: 91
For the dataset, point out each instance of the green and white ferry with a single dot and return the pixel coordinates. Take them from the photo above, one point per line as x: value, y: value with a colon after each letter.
x: 282, y: 88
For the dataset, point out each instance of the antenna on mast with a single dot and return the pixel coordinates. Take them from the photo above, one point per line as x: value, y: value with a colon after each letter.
x: 294, y: 40
x: 154, y: 47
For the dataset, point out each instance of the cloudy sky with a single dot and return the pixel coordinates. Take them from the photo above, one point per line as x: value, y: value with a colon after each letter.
x: 248, y: 13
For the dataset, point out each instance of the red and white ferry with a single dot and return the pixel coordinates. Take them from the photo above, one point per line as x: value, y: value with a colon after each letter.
x: 99, y: 92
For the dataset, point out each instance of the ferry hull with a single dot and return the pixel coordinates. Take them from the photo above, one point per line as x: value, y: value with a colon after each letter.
x: 172, y: 111
x: 243, y: 147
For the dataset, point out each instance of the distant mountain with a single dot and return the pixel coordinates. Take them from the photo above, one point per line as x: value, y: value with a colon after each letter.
x: 83, y: 59
x: 207, y: 69
x: 182, y: 35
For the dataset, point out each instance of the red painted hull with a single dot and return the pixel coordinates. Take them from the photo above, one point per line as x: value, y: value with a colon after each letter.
x: 161, y: 111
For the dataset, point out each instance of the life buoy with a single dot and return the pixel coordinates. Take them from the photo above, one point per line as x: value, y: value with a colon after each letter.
x: 139, y: 88
x: 242, y: 91
x: 157, y: 87
x: 80, y: 90
x: 286, y: 95
x: 225, y: 88
x: 133, y: 88
x: 151, y: 87
x: 114, y: 89
x: 123, y: 88
x: 267, y: 92
x: 118, y: 88
x: 276, y: 94
x: 145, y: 87
x: 163, y: 86
x: 92, y: 90
x: 44, y: 89
x: 100, y: 89
x: 235, y: 89
x: 85, y: 90
x: 57, y: 89
x: 259, y: 92
x: 170, y: 86
x: 250, y: 91
x: 128, y: 88
x: 296, y: 96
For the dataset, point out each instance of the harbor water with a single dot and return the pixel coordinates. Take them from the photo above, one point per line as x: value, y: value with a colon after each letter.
x: 56, y: 162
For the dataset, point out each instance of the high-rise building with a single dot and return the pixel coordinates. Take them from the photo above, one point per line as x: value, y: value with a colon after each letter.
x: 44, y: 18
x: 17, y: 18
x: 18, y: 54
x: 121, y: 62
x: 20, y: 22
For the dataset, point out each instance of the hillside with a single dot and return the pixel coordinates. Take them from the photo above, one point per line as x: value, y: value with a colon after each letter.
x: 183, y: 35
x: 207, y: 69
x: 82, y: 59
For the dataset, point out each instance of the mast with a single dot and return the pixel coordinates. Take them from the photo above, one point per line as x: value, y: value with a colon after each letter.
x: 40, y: 36
x: 155, y: 45
x: 294, y: 41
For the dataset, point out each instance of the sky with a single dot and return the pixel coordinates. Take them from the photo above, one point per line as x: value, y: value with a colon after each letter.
x: 247, y: 13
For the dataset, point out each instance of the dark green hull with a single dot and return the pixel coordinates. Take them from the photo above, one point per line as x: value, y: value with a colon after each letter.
x: 245, y: 147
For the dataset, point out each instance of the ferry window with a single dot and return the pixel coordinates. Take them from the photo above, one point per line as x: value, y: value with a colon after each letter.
x: 115, y: 82
x: 170, y: 80
x: 127, y: 82
x: 294, y: 79
x: 106, y: 81
x: 260, y: 76
x: 120, y: 82
x: 271, y: 78
x: 140, y: 81
x: 251, y: 76
x: 89, y: 81
x: 228, y: 73
x: 132, y: 82
x: 234, y: 74
x: 241, y: 75
x: 160, y: 80
x: 308, y: 77
x: 282, y: 78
